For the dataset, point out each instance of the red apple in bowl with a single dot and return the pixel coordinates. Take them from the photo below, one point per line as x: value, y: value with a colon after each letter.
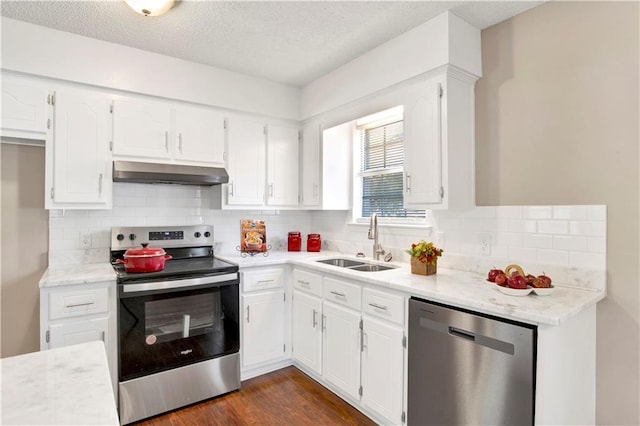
x: 517, y: 282
x: 493, y: 274
x: 501, y: 280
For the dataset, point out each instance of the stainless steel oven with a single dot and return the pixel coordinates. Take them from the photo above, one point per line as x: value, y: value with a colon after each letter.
x: 178, y: 329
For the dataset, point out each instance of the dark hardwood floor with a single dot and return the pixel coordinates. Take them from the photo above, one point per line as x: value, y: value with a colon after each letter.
x: 284, y: 397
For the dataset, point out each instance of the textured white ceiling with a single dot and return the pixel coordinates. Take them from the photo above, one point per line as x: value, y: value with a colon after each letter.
x: 292, y: 42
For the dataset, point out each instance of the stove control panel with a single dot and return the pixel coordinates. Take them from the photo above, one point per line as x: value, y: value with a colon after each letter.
x: 162, y: 236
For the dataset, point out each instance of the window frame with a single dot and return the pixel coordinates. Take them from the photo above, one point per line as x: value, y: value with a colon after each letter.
x: 378, y: 119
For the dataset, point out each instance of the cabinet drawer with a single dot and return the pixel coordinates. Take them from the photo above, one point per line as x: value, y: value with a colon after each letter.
x: 64, y: 304
x: 382, y: 304
x: 343, y: 293
x: 263, y: 279
x: 308, y: 282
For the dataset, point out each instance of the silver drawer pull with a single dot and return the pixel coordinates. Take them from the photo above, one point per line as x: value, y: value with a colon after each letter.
x: 79, y: 304
x: 315, y: 318
x: 337, y: 293
x: 305, y: 283
x: 384, y: 308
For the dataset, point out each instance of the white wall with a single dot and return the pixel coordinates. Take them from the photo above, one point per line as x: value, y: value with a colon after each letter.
x: 41, y: 51
x: 445, y: 39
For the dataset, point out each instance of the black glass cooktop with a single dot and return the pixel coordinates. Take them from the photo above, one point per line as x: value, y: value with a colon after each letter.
x: 175, y: 269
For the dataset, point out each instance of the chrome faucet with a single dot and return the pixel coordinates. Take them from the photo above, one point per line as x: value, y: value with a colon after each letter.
x: 373, y: 235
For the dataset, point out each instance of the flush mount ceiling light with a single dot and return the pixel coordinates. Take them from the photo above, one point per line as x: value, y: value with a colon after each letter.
x: 150, y: 7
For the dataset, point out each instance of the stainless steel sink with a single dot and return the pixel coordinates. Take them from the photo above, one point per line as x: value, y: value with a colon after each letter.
x: 370, y: 267
x: 355, y: 265
x: 343, y: 263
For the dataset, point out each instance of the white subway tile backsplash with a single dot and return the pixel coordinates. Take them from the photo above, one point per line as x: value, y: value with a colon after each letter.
x: 518, y: 254
x: 509, y: 212
x: 562, y: 236
x: 587, y: 260
x: 570, y: 243
x: 537, y: 212
x: 537, y: 241
x: 588, y: 228
x: 553, y: 227
x: 521, y: 225
x: 597, y: 244
x: 553, y: 257
x: 570, y: 212
x: 597, y: 213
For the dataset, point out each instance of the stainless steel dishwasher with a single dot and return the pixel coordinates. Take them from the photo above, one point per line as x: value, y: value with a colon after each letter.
x: 469, y: 368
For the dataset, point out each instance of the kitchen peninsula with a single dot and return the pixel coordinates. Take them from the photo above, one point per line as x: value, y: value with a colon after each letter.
x: 68, y: 385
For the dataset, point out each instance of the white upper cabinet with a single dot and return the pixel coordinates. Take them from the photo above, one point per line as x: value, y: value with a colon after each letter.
x: 141, y: 128
x: 79, y: 168
x: 282, y: 166
x: 200, y: 135
x: 422, y: 165
x: 262, y: 162
x: 310, y: 166
x: 24, y: 108
x: 246, y: 162
x: 160, y: 131
x: 440, y: 142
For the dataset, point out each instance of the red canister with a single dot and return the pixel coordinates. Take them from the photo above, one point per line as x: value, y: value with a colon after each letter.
x: 294, y: 243
x: 313, y: 242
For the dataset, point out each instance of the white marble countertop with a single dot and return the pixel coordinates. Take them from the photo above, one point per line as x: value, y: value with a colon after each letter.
x: 78, y: 274
x: 64, y: 386
x: 457, y: 288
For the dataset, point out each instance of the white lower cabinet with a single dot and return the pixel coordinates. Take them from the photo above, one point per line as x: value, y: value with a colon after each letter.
x: 382, y: 372
x: 353, y: 340
x: 264, y: 318
x: 307, y: 332
x: 263, y: 327
x: 341, y: 347
x: 73, y: 333
x: 74, y: 314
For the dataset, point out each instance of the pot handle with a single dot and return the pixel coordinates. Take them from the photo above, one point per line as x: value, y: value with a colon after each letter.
x: 168, y: 257
x: 120, y: 262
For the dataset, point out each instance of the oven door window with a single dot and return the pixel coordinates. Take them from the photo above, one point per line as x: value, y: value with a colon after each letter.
x: 163, y: 331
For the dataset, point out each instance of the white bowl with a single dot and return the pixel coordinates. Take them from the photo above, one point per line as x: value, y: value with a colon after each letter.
x: 514, y: 291
x: 544, y: 291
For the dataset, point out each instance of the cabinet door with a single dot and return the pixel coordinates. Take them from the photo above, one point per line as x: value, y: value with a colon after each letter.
x: 81, y: 163
x: 24, y: 108
x: 141, y: 128
x: 422, y: 152
x: 200, y: 135
x: 73, y: 333
x: 246, y: 162
x: 263, y: 332
x: 282, y: 168
x: 310, y: 165
x: 337, y: 159
x: 307, y: 334
x: 341, y: 348
x: 382, y: 368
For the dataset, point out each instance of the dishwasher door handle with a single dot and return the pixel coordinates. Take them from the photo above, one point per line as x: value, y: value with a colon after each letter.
x: 462, y: 333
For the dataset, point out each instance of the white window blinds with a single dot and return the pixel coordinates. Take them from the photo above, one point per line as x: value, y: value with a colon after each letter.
x: 381, y: 169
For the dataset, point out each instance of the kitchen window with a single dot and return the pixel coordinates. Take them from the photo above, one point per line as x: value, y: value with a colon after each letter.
x: 378, y: 181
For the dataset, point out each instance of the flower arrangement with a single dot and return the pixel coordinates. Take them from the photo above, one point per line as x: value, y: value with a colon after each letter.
x: 425, y: 252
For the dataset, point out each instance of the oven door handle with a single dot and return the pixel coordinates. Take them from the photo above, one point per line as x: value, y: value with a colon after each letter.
x: 188, y: 282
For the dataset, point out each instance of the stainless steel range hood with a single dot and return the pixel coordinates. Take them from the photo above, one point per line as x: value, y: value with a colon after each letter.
x: 130, y: 171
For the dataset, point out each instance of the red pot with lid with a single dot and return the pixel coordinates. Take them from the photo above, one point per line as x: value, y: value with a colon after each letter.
x: 144, y: 259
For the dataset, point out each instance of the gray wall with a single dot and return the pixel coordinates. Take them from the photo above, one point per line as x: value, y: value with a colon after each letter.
x: 557, y: 123
x: 25, y: 239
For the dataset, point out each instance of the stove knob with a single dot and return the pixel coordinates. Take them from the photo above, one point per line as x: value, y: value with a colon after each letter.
x: 207, y: 234
x: 120, y: 237
x: 132, y: 237
x: 197, y: 235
